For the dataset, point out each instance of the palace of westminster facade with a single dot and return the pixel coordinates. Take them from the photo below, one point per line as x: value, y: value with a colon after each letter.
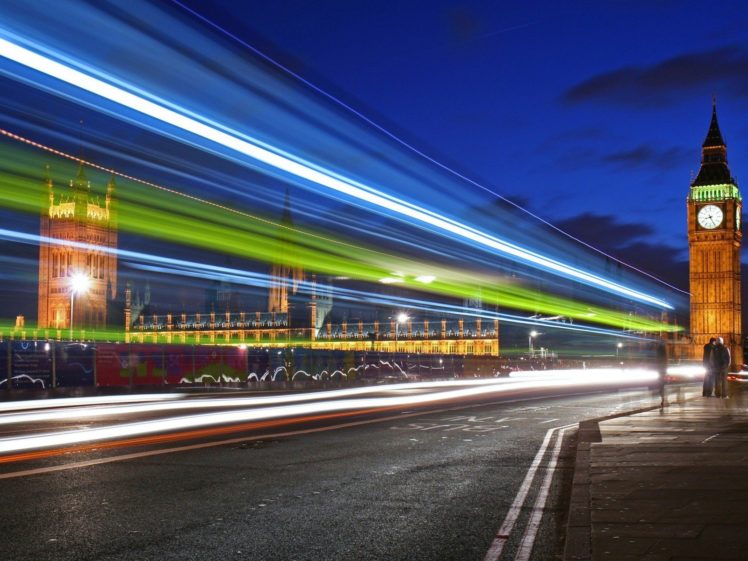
x: 714, y: 206
x: 291, y: 318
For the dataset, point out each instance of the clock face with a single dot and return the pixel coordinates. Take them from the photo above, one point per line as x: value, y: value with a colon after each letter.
x: 737, y: 218
x: 710, y: 216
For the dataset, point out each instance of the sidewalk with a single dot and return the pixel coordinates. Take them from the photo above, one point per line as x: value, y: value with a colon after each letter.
x: 663, y: 485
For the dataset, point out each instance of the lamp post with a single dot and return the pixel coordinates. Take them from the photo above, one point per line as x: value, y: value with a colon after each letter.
x: 529, y: 341
x: 618, y: 349
x: 401, y: 318
x: 79, y: 284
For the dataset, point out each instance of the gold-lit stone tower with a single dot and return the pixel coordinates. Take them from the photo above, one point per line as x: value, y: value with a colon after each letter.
x: 77, y: 216
x: 714, y: 241
x: 285, y: 273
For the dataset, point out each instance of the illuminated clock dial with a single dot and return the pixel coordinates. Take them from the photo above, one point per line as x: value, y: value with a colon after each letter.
x: 710, y: 216
x: 737, y: 218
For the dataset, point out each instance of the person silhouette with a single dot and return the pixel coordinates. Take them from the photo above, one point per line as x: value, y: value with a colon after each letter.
x: 660, y: 364
x: 721, y: 364
x: 708, y: 385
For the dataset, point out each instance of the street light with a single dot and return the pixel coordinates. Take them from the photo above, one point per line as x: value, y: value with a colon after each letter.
x: 79, y: 284
x: 529, y: 341
x: 618, y: 349
x: 401, y: 318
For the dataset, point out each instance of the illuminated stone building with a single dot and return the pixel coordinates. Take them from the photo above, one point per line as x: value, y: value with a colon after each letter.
x: 299, y: 313
x: 78, y: 233
x: 265, y: 329
x: 714, y: 239
x: 76, y: 215
x: 285, y: 273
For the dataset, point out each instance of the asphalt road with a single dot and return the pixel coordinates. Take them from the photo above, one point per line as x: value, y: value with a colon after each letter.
x: 405, y: 484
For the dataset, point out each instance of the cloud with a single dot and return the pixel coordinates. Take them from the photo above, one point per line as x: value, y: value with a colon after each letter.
x: 604, y: 231
x: 519, y: 200
x: 722, y: 70
x: 575, y: 136
x: 629, y: 242
x: 649, y: 156
x: 643, y: 156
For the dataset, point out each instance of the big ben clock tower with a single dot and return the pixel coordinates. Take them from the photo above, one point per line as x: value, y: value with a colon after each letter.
x: 714, y: 240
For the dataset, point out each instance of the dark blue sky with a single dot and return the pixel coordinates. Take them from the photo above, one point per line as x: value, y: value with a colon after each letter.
x: 590, y: 113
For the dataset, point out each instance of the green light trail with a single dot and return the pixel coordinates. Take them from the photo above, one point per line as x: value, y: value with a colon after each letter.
x: 177, y: 218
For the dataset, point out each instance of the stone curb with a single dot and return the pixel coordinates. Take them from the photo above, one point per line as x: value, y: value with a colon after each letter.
x: 578, y: 546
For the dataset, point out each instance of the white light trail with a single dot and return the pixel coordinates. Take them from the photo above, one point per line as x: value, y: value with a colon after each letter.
x: 565, y: 379
x: 305, y: 170
x: 687, y: 371
x: 83, y: 401
x: 127, y: 405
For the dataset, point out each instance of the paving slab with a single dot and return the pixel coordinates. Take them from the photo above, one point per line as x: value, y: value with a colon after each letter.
x: 666, y: 484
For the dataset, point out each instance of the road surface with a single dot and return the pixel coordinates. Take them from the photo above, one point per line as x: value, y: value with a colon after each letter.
x: 452, y: 479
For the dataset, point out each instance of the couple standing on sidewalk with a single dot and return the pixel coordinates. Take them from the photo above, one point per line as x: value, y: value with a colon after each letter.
x: 716, y: 364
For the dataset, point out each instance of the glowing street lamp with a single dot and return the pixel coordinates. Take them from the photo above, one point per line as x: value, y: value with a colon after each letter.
x: 401, y: 318
x: 79, y: 284
x: 533, y: 334
x: 618, y: 349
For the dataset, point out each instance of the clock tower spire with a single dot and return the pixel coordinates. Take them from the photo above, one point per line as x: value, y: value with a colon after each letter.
x: 714, y: 240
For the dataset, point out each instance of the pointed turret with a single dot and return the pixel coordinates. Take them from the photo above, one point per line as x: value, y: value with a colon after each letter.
x: 81, y: 181
x: 109, y: 203
x: 47, y: 177
x: 111, y: 187
x: 714, y: 169
x: 46, y: 202
x: 48, y: 197
x: 714, y: 136
x: 285, y: 270
x: 81, y: 188
x: 290, y: 238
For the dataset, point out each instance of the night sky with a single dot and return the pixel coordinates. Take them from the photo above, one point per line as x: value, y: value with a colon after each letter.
x: 590, y: 114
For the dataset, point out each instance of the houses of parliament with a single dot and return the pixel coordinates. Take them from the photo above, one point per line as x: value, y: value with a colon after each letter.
x: 79, y: 236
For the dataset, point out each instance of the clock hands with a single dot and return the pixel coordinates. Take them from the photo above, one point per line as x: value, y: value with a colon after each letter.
x: 710, y: 216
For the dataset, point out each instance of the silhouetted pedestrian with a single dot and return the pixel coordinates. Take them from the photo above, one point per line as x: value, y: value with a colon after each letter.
x: 721, y: 363
x: 708, y: 386
x: 661, y: 367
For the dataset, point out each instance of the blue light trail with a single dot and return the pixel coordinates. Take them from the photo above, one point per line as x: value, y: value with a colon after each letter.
x: 410, y: 146
x: 278, y: 159
x: 168, y: 265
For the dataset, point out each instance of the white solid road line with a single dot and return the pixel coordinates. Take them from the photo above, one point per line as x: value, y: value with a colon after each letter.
x: 502, y: 536
x: 533, y: 525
